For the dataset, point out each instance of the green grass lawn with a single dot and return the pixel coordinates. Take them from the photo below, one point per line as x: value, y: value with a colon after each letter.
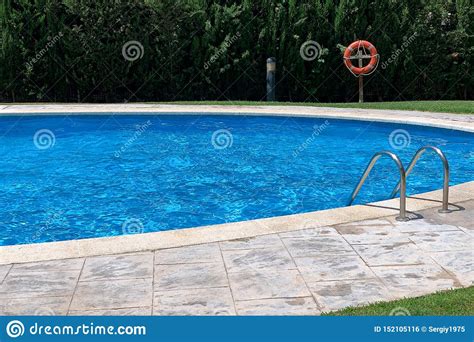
x: 448, y: 303
x: 460, y: 107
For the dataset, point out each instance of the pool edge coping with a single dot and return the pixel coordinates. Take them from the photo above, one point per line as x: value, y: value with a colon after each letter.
x: 447, y: 121
x: 145, y: 242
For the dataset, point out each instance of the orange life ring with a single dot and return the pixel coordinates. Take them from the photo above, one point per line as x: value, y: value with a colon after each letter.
x: 355, y: 46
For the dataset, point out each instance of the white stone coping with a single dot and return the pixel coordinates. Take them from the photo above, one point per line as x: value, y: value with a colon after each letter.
x: 222, y: 232
x: 462, y: 122
x: 244, y: 229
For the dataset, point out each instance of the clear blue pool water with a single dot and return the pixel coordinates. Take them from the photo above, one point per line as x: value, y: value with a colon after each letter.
x: 109, y: 175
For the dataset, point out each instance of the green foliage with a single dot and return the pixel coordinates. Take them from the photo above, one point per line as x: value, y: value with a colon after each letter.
x: 65, y: 50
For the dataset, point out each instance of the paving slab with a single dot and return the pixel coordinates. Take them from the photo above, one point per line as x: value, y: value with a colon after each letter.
x: 461, y: 216
x: 334, y: 295
x: 264, y: 284
x: 460, y: 263
x: 40, y: 306
x: 314, y: 246
x: 443, y: 241
x: 373, y: 234
x: 311, y: 232
x: 422, y: 225
x: 118, y: 267
x: 263, y: 258
x: 415, y: 280
x: 64, y: 265
x: 190, y: 276
x: 333, y: 267
x: 263, y: 241
x: 468, y: 231
x: 190, y: 254
x: 143, y: 311
x: 368, y: 223
x: 392, y: 254
x: 4, y: 271
x: 112, y: 294
x: 38, y: 284
x: 202, y: 302
x: 302, y: 306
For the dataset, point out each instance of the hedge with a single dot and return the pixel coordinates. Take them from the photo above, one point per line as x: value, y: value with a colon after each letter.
x: 170, y: 50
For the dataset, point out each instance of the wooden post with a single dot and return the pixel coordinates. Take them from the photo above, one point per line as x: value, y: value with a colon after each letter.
x: 361, y: 79
x: 271, y: 78
x: 361, y: 89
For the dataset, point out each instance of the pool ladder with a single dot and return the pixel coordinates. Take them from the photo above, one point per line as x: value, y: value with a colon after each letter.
x: 401, y: 185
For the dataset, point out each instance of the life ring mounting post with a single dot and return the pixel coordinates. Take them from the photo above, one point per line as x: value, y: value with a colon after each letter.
x: 360, y: 50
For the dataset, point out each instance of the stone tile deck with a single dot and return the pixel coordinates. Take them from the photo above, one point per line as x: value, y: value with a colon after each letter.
x: 302, y: 272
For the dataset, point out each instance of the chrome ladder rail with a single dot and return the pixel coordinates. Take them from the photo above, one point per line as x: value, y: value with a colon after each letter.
x: 443, y: 158
x: 402, y: 182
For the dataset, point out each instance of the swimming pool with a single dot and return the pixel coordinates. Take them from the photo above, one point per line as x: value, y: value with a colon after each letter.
x: 72, y: 177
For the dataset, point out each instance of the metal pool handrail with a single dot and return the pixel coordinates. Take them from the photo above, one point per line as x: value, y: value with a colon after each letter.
x: 402, y: 182
x: 443, y: 158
